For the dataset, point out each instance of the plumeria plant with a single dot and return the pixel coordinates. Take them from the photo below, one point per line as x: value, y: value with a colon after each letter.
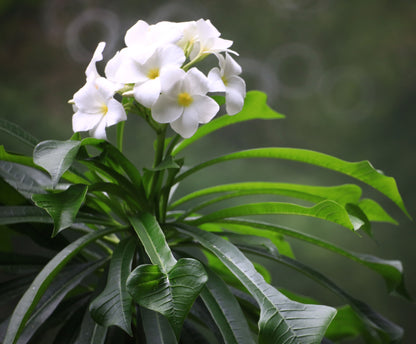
x: 126, y: 260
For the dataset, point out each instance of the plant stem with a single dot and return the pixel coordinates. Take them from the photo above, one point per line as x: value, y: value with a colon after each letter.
x: 160, y: 146
x: 120, y: 134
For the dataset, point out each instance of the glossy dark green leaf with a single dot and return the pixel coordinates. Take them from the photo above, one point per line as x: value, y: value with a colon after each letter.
x: 281, y: 320
x: 157, y: 328
x: 346, y: 325
x: 390, y: 270
x: 18, y: 132
x: 226, y: 311
x: 170, y: 293
x: 25, y: 179
x: 362, y: 170
x: 383, y: 330
x: 153, y: 239
x: 90, y: 332
x: 31, y: 298
x: 56, y: 157
x: 63, y: 207
x: 255, y: 107
x: 23, y: 213
x: 114, y: 305
x: 325, y: 210
x: 57, y: 290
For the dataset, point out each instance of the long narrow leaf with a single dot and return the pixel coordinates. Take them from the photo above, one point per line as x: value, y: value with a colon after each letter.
x: 24, y: 179
x: 226, y: 311
x: 156, y: 327
x: 255, y: 107
x: 91, y: 332
x: 114, y: 305
x: 383, y: 326
x: 55, y: 293
x: 342, y: 194
x: 281, y: 320
x: 326, y: 210
x: 390, y: 270
x: 362, y: 170
x: 32, y: 296
x: 18, y: 132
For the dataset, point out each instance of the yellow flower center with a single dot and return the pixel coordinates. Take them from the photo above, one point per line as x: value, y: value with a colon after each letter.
x: 153, y: 73
x: 224, y: 80
x: 104, y: 109
x: 185, y: 99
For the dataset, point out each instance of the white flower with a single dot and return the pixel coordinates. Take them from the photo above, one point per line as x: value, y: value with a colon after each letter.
x: 207, y: 40
x: 148, y: 75
x: 94, y: 105
x: 185, y: 103
x: 226, y: 79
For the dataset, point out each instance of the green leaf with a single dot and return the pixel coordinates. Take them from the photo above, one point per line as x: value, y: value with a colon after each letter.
x: 390, y: 270
x: 326, y: 210
x: 346, y: 325
x: 23, y: 213
x: 57, y: 290
x: 157, y: 328
x: 24, y: 179
x: 281, y: 320
x: 385, y: 331
x: 153, y: 239
x: 225, y: 311
x: 375, y: 212
x: 56, y: 157
x: 20, y: 159
x: 63, y: 207
x: 18, y: 132
x: 30, y: 299
x: 91, y: 332
x: 342, y: 194
x: 255, y: 107
x: 170, y: 293
x: 362, y: 170
x: 114, y: 305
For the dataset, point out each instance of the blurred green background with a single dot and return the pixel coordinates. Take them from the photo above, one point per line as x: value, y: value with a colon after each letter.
x: 342, y: 72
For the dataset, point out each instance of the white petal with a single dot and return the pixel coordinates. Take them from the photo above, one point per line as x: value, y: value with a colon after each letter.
x: 195, y: 82
x: 166, y: 109
x: 88, y: 99
x: 99, y: 131
x: 115, y: 113
x: 105, y: 87
x: 122, y: 68
x: 91, y: 70
x: 170, y: 77
x: 216, y: 83
x: 148, y: 92
x: 231, y: 67
x: 171, y: 55
x: 205, y: 107
x: 187, y: 124
x: 137, y: 33
x: 234, y: 95
x: 84, y: 121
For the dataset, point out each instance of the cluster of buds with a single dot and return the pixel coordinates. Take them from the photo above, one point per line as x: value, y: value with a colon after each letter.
x: 158, y: 68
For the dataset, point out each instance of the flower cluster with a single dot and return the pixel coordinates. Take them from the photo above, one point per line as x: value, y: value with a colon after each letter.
x: 157, y: 68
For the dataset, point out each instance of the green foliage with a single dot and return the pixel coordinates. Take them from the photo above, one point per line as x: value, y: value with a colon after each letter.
x: 136, y: 263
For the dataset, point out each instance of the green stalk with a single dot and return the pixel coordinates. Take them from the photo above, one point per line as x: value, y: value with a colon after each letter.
x: 120, y: 135
x: 160, y: 145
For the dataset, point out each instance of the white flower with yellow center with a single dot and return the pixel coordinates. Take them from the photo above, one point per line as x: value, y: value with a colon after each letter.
x: 185, y: 104
x: 226, y: 79
x: 94, y: 105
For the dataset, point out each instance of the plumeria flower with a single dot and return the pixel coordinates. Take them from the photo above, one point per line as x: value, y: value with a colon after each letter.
x: 207, y: 40
x: 185, y: 104
x: 226, y: 79
x: 148, y: 75
x: 94, y: 105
